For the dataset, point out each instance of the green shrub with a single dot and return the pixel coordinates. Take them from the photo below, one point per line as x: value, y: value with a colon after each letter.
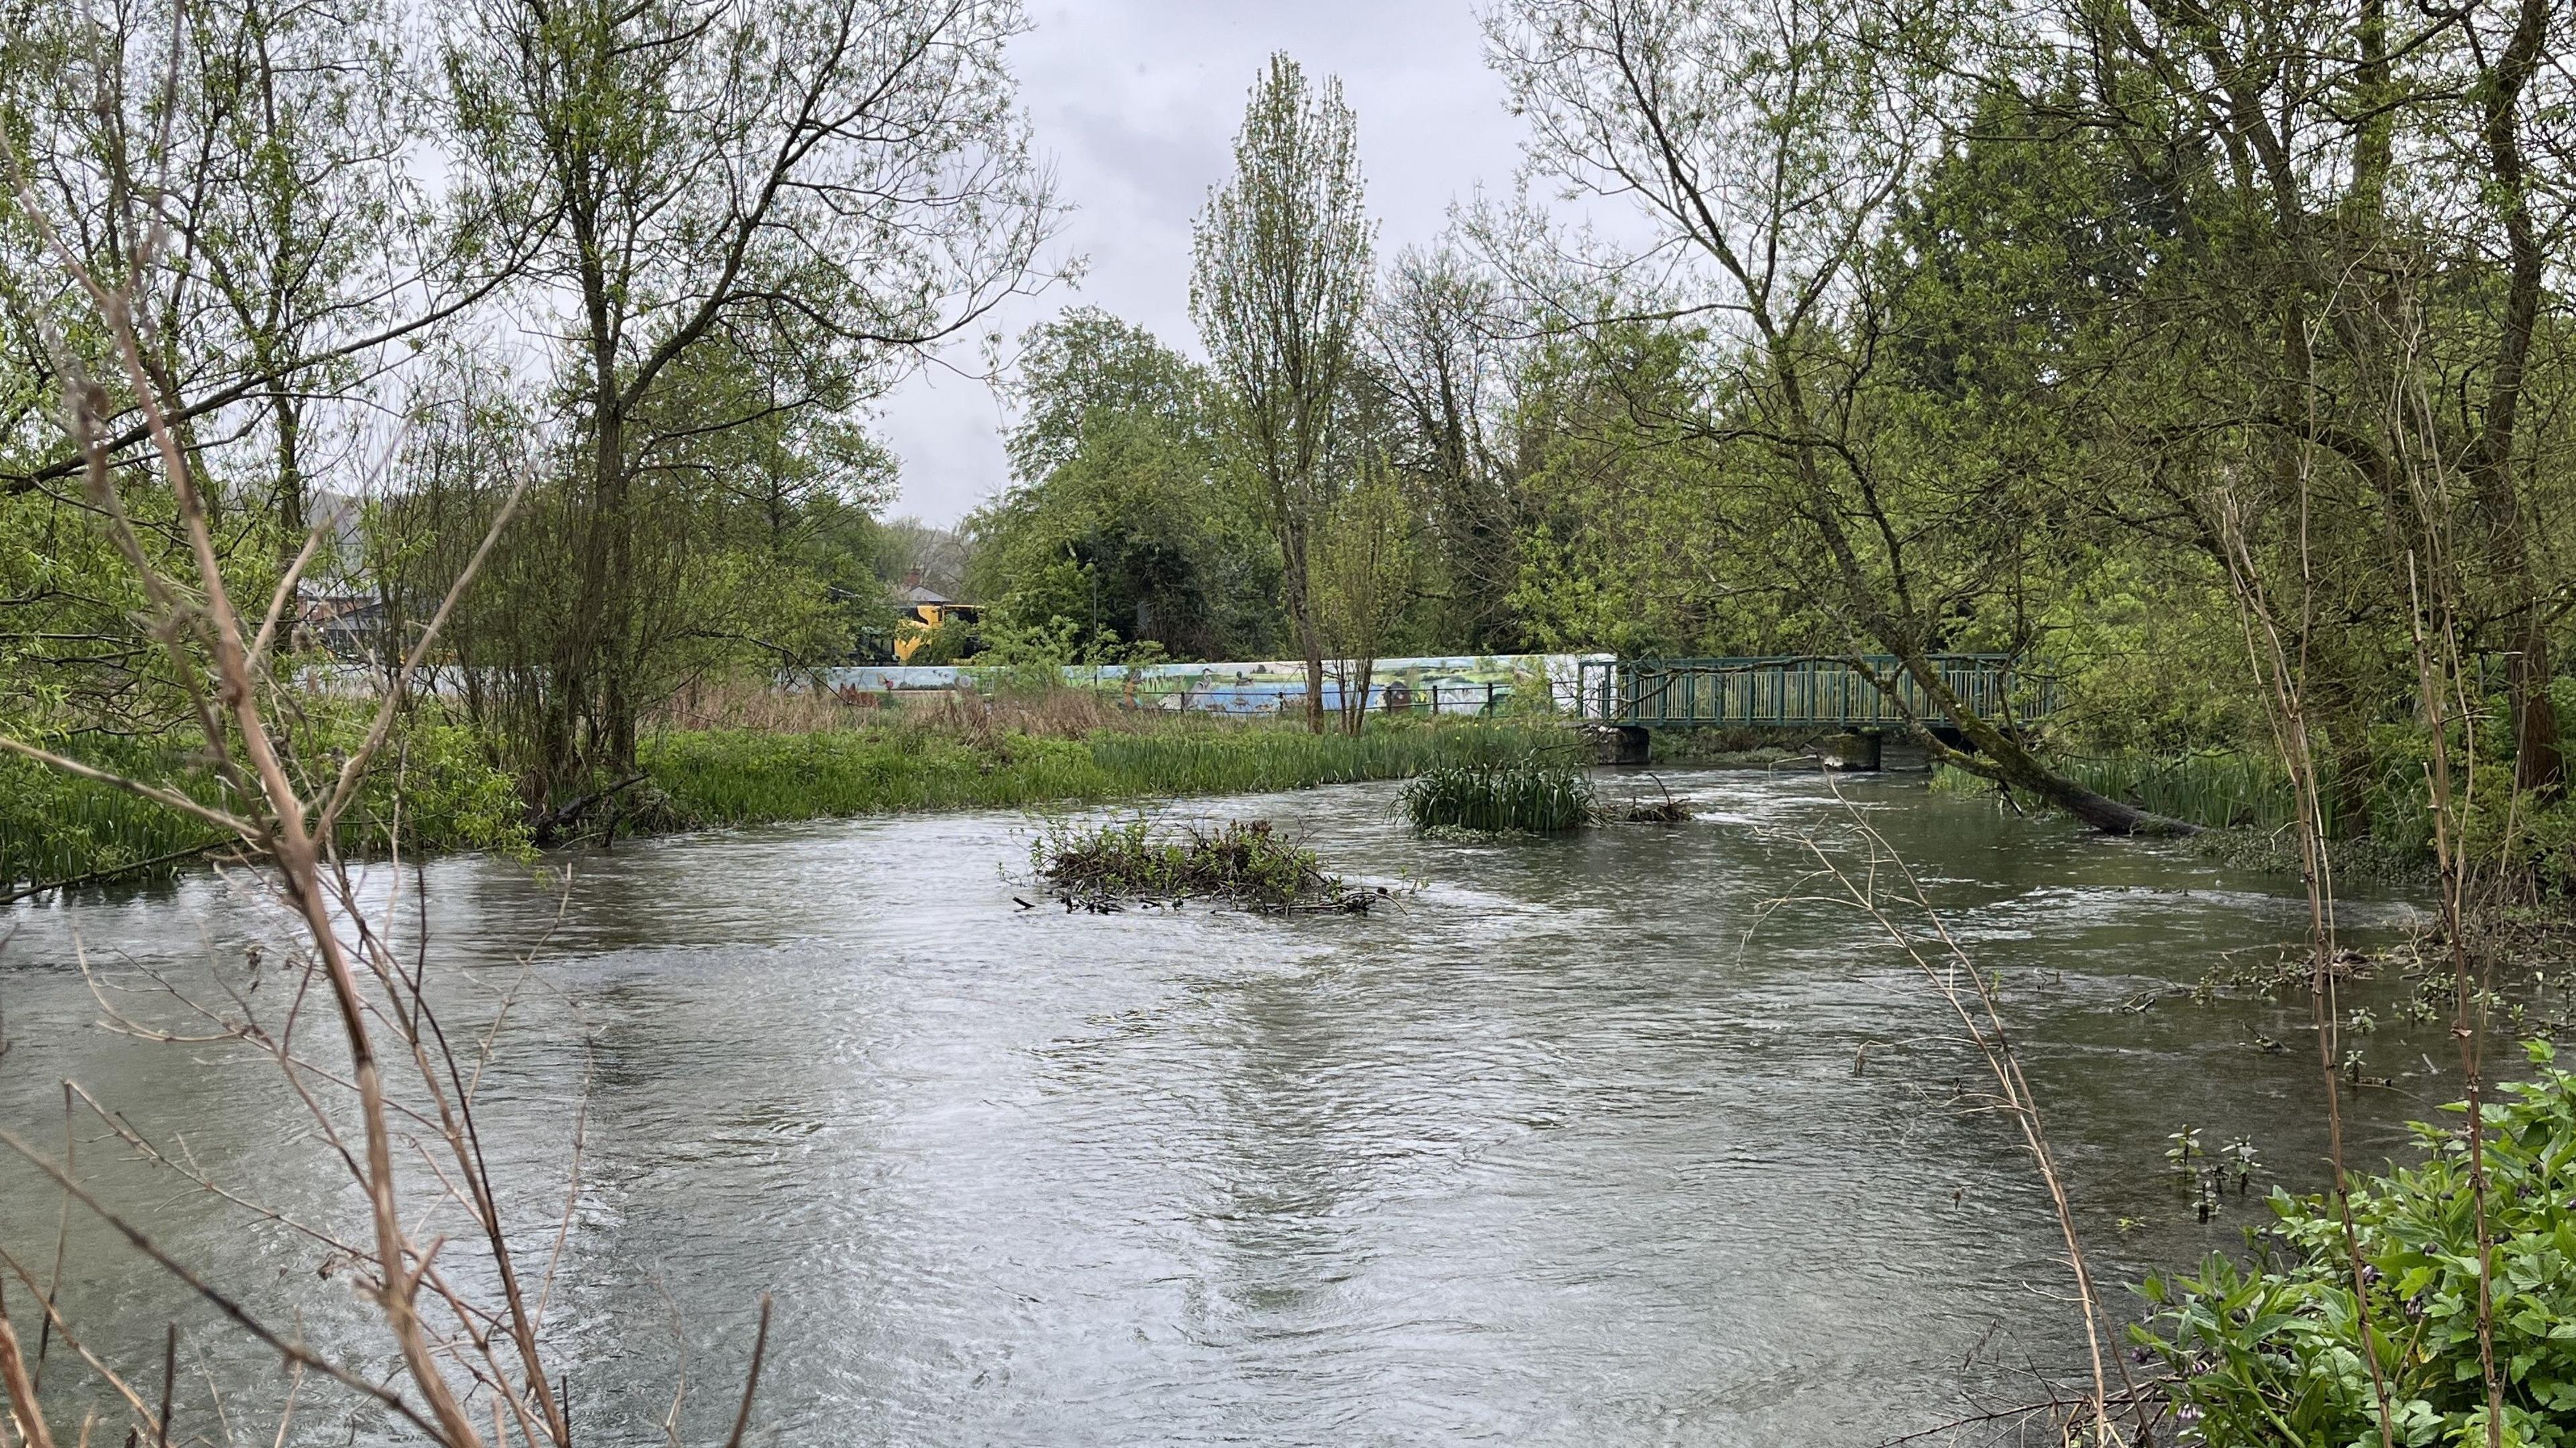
x: 436, y: 782
x: 2271, y: 1352
x: 1531, y: 794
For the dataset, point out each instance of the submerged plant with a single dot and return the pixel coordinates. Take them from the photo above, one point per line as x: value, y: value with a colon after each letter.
x: 1528, y: 795
x: 2241, y: 1160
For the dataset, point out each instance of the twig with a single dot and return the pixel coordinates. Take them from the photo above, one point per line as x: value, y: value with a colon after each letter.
x: 751, y: 1379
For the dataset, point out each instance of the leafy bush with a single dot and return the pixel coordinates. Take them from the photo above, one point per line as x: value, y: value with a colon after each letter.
x: 438, y: 785
x: 1528, y: 795
x: 2271, y: 1353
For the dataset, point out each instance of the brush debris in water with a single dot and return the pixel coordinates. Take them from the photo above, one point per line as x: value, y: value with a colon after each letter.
x: 1102, y: 866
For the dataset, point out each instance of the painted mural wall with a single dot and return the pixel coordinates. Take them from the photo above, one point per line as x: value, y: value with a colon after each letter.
x: 1463, y: 684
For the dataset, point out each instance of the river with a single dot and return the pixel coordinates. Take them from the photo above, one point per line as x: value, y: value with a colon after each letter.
x: 1582, y: 1141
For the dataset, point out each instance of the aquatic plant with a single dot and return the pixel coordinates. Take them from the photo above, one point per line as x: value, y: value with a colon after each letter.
x: 1532, y: 794
x: 2192, y: 1166
x: 1102, y: 865
x: 2274, y: 1350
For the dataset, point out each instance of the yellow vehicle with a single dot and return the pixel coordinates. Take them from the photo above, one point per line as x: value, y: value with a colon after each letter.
x: 924, y: 612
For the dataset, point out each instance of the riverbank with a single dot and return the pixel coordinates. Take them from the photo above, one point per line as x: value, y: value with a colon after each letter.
x: 442, y: 792
x: 739, y: 777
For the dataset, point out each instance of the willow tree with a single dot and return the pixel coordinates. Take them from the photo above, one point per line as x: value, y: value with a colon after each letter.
x: 1767, y: 145
x: 1442, y: 360
x: 1279, y: 293
x: 806, y: 194
x: 250, y: 174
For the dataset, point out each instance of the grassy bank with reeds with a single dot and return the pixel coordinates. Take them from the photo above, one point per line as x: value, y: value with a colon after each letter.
x: 2215, y: 790
x: 433, y: 785
x: 56, y: 826
x: 2381, y: 831
x: 745, y: 761
x: 744, y: 777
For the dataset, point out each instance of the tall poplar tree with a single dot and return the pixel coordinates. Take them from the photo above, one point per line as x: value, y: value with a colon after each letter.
x: 1282, y: 282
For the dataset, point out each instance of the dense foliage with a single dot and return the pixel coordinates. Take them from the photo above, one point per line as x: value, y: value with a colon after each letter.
x: 1919, y: 329
x: 1125, y: 529
x: 2273, y: 1351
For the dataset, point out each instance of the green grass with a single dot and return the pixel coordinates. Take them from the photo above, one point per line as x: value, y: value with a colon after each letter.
x: 2219, y: 790
x: 56, y: 826
x: 1528, y: 795
x: 738, y: 777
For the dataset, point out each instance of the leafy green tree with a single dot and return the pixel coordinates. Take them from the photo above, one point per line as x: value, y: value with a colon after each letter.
x: 1766, y: 144
x: 1439, y: 358
x: 247, y: 173
x: 1279, y: 291
x: 1124, y: 525
x: 811, y: 191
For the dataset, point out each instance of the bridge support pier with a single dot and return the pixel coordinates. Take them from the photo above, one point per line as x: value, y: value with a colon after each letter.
x: 1625, y: 744
x: 1858, y: 752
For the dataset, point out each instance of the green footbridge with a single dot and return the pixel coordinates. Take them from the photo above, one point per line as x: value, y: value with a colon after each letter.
x: 1862, y: 695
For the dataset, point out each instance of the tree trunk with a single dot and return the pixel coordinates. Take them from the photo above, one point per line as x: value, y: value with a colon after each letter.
x: 2001, y: 758
x: 2538, y: 765
x: 294, y: 510
x: 1301, y: 613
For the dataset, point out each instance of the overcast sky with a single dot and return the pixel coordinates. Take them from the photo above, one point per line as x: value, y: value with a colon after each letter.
x: 1136, y: 102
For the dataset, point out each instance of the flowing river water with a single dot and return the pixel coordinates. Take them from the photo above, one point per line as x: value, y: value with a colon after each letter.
x: 1586, y: 1141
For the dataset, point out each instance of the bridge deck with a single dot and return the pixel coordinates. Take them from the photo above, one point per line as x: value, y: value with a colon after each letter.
x: 1794, y: 692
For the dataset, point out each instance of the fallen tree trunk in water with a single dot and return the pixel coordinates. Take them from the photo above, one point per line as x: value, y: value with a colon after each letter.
x: 1996, y: 755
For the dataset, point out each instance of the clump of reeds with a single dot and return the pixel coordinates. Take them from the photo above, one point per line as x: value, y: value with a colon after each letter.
x: 1531, y: 794
x: 56, y: 827
x: 2219, y: 790
x: 1105, y: 865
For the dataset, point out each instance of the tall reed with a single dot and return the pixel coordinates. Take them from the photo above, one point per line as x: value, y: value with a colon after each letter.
x: 1532, y: 794
x: 55, y: 827
x: 2219, y: 789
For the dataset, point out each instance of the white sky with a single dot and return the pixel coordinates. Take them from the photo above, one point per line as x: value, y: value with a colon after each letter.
x: 1136, y: 102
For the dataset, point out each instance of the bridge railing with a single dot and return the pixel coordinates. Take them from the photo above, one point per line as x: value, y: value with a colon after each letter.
x: 1799, y: 691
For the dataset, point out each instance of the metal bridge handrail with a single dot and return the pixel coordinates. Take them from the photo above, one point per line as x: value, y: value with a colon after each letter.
x: 1795, y: 690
